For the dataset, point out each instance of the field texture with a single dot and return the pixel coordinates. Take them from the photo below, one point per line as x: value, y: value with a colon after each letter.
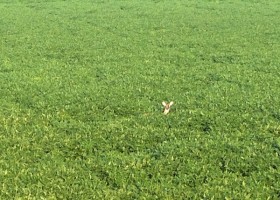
x: 81, y: 86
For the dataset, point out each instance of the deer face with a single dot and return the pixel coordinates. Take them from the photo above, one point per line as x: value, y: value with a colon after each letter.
x: 167, y: 107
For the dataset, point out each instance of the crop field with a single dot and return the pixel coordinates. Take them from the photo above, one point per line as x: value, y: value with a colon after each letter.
x: 81, y: 87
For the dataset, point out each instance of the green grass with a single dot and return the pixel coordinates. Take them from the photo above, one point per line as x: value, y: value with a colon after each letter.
x: 81, y: 86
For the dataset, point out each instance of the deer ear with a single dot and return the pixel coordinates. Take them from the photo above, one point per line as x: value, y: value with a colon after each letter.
x: 163, y: 103
x: 171, y: 103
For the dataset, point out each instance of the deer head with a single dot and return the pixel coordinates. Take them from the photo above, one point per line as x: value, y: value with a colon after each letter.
x: 167, y: 107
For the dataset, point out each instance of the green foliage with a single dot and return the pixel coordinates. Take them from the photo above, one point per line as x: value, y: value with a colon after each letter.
x: 81, y: 85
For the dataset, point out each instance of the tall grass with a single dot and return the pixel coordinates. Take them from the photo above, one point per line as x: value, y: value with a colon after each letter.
x: 81, y: 86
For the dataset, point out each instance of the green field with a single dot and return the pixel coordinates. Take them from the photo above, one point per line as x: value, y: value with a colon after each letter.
x: 81, y: 86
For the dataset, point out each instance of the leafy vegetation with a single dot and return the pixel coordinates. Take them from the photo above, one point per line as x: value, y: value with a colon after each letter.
x: 81, y: 86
